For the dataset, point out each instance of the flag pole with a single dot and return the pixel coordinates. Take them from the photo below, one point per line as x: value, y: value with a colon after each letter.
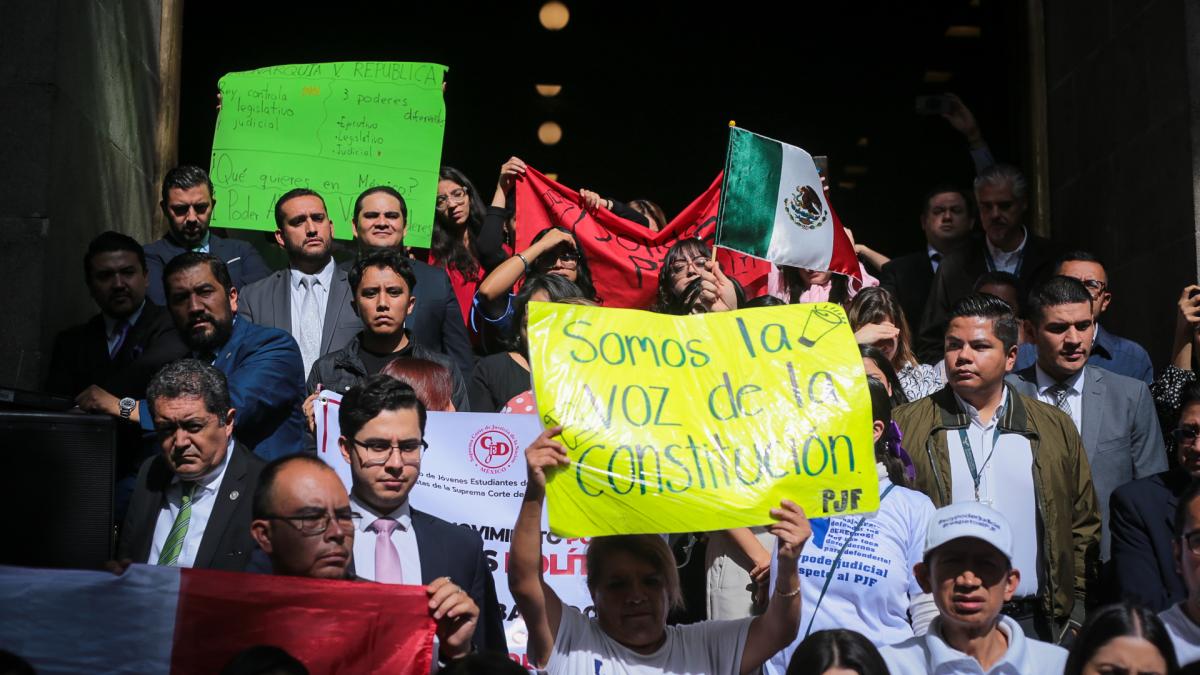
x: 724, y: 179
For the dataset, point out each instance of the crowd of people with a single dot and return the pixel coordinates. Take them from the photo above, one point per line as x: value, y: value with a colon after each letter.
x: 1038, y: 511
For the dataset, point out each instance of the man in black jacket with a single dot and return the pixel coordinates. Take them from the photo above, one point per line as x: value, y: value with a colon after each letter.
x: 192, y: 503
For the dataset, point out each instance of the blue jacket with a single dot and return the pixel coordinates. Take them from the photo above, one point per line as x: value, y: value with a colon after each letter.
x: 245, y: 264
x: 266, y: 383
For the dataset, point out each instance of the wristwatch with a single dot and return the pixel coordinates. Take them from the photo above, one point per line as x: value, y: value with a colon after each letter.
x: 126, y: 406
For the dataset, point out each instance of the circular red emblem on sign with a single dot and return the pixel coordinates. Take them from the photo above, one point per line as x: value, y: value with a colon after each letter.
x: 493, y: 449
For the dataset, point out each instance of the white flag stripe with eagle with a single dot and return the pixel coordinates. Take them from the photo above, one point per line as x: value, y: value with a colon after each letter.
x: 775, y: 207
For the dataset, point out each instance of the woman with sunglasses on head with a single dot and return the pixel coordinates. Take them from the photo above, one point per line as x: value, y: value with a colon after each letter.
x: 691, y: 282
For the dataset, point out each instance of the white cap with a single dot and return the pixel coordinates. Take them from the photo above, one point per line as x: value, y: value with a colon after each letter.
x: 969, y: 519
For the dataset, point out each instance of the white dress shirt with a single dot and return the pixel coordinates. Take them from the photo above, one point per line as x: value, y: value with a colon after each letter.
x: 321, y: 288
x: 110, y: 326
x: 403, y: 538
x: 1006, y: 484
x: 935, y: 257
x: 1074, y: 393
x: 1007, y: 261
x: 203, y: 497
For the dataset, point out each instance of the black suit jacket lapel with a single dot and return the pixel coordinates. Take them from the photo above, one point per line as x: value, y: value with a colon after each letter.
x: 221, y: 516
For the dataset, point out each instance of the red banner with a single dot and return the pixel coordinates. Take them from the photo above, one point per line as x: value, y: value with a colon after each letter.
x: 331, y: 626
x: 625, y: 257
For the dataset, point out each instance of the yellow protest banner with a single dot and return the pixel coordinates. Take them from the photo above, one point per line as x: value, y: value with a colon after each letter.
x: 704, y: 422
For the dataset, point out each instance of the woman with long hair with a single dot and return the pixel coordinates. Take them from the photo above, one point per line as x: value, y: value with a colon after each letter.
x: 689, y: 281
x: 881, y: 599
x: 1122, y: 638
x: 878, y: 320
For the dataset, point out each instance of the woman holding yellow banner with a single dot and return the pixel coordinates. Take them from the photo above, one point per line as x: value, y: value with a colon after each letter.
x: 633, y: 583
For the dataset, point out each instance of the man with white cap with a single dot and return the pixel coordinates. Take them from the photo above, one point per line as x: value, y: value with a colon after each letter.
x: 968, y: 568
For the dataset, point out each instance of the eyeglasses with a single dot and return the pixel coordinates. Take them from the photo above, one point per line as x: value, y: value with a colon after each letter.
x: 1192, y: 541
x: 1185, y: 434
x: 182, y: 209
x: 1094, y: 286
x: 312, y: 524
x: 681, y: 266
x: 377, y: 452
x: 457, y: 195
x: 567, y: 257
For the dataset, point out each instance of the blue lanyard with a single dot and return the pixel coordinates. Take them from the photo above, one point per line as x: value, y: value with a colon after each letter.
x: 977, y: 474
x: 837, y: 559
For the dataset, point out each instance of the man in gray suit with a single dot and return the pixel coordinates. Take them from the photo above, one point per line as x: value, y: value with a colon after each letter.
x: 1113, y: 413
x: 311, y: 298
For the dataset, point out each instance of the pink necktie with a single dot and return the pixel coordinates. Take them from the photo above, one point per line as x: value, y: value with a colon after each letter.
x: 387, y: 558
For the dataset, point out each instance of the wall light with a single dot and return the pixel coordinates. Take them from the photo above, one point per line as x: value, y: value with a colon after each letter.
x: 554, y: 15
x: 549, y: 133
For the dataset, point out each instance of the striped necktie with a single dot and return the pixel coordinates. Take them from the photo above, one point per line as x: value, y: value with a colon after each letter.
x: 174, y: 544
x: 1061, y: 392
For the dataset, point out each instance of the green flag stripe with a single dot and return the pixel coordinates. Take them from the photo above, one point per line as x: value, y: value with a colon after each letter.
x: 752, y: 191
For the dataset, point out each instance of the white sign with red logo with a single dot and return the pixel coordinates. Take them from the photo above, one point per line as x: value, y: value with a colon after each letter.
x: 473, y: 474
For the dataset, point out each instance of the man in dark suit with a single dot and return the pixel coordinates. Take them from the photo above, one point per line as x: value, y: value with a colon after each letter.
x: 188, y: 203
x: 263, y: 364
x: 192, y: 503
x: 304, y: 526
x: 947, y: 220
x: 1145, y: 568
x: 383, y: 427
x: 1113, y: 414
x: 311, y: 298
x: 1006, y: 245
x: 380, y: 221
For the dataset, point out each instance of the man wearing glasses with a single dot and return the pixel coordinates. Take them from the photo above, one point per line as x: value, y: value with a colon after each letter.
x: 1110, y: 352
x: 1146, y: 552
x: 188, y: 203
x: 383, y: 426
x: 304, y: 523
x: 1183, y: 619
x: 1113, y: 414
x: 191, y: 506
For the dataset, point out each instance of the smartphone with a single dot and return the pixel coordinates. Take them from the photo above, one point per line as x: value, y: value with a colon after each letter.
x: 933, y: 105
x: 822, y: 162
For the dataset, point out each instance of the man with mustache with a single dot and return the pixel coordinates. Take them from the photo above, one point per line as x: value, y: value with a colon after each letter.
x: 311, y: 298
x: 1114, y: 414
x: 1007, y: 245
x: 263, y: 364
x: 381, y: 221
x: 188, y: 203
x: 305, y: 524
x: 191, y: 506
x: 980, y: 440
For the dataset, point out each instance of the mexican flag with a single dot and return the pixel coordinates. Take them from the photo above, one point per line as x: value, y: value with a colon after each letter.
x: 773, y: 207
x: 170, y: 620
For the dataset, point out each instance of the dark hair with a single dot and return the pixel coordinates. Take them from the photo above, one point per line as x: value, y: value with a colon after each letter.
x: 985, y: 306
x: 1055, y: 291
x: 1183, y: 507
x: 876, y: 305
x: 881, y: 411
x: 365, y: 400
x: 684, y: 248
x: 112, y: 242
x: 1189, y: 395
x: 1079, y: 255
x: 997, y: 278
x: 386, y: 189
x: 557, y: 287
x: 382, y: 257
x: 652, y: 211
x: 289, y: 196
x: 430, y: 380
x: 943, y: 188
x: 839, y: 286
x: 839, y: 648
x: 648, y: 548
x: 898, y: 396
x: 446, y: 245
x: 764, y: 300
x: 261, y: 507
x: 583, y: 277
x: 1124, y: 619
x: 11, y: 664
x: 190, y: 259
x: 264, y: 660
x: 184, y: 177
x: 484, y: 663
x: 191, y: 378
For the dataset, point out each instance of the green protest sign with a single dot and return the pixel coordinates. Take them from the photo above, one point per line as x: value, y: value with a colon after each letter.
x: 337, y: 128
